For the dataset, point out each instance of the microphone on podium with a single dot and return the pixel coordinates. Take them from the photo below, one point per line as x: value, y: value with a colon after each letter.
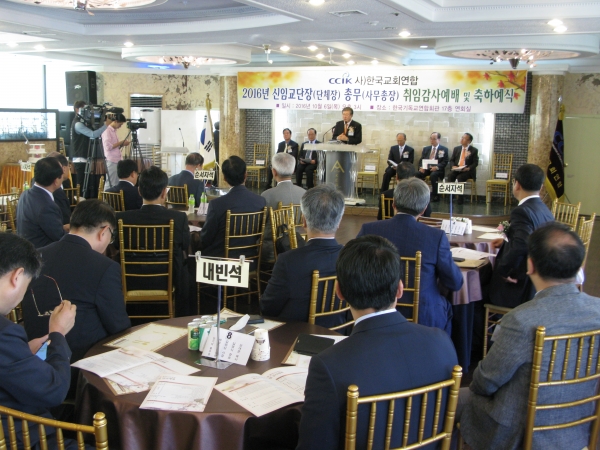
x: 182, y: 141
x: 328, y: 131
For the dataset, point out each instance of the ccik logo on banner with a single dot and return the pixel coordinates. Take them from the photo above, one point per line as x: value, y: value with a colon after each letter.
x: 345, y: 79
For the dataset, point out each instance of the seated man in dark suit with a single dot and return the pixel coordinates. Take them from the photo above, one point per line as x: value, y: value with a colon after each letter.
x: 238, y: 200
x: 409, y: 236
x: 90, y: 280
x: 287, y: 296
x: 435, y: 173
x: 385, y: 353
x: 286, y: 146
x: 308, y: 160
x: 404, y: 171
x: 39, y: 219
x: 60, y: 198
x: 467, y: 157
x: 28, y: 383
x: 400, y: 153
x: 195, y: 187
x: 127, y: 171
x: 153, y: 187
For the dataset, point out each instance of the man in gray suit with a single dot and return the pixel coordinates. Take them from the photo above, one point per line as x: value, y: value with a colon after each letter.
x: 492, y: 410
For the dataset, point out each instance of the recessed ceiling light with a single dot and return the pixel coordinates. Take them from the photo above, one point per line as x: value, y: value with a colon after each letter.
x: 404, y: 33
x: 424, y: 46
x: 284, y: 48
x: 316, y: 2
x: 555, y: 22
x: 350, y: 63
x: 346, y: 55
x: 560, y: 29
x: 312, y: 48
x: 128, y: 44
x: 12, y: 44
x: 374, y: 62
x: 320, y: 56
x: 39, y: 47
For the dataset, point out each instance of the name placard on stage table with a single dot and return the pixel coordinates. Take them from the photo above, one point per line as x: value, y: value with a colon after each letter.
x: 451, y: 188
x: 458, y: 228
x: 25, y: 166
x: 204, y: 175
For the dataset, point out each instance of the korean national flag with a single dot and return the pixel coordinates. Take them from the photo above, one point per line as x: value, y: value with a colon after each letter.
x: 206, y: 137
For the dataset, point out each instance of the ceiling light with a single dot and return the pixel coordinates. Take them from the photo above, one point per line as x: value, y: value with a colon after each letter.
x: 312, y: 48
x: 320, y: 56
x: 39, y: 47
x: 267, y: 48
x: 284, y: 48
x: 374, y: 62
x: 346, y: 55
x: 128, y: 44
x: 555, y: 22
x: 424, y: 46
x: 350, y: 63
x: 316, y: 2
x: 404, y: 33
x: 330, y: 50
x: 514, y: 57
x: 12, y: 44
x: 187, y: 61
x: 560, y: 29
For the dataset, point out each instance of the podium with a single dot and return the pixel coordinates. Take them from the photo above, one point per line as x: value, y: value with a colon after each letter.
x: 175, y: 159
x: 338, y: 166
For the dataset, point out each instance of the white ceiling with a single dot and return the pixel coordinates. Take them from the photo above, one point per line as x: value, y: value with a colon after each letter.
x: 371, y: 31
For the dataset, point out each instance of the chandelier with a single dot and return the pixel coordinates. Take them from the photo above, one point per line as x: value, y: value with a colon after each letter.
x: 86, y: 5
x: 514, y: 57
x: 187, y: 61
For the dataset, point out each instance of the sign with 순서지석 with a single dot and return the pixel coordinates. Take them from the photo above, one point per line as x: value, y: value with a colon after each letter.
x: 451, y: 188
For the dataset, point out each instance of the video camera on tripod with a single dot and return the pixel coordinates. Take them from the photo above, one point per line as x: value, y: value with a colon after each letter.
x: 136, y: 124
x: 93, y: 116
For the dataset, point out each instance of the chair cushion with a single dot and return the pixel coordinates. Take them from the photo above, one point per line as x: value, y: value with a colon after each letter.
x: 146, y: 293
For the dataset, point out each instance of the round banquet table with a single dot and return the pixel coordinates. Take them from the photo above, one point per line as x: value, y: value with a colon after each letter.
x: 223, y: 424
x: 473, y: 242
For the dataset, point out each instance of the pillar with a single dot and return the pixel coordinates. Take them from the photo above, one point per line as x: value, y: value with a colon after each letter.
x: 232, y: 126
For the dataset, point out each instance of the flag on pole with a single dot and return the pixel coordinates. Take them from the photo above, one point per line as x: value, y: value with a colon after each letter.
x: 206, y: 137
x: 555, y: 175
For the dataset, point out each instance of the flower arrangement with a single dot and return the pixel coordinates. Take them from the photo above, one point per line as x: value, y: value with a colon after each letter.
x: 503, y: 227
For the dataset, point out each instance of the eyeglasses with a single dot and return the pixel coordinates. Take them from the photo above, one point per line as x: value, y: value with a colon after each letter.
x: 47, y: 313
x: 112, y: 234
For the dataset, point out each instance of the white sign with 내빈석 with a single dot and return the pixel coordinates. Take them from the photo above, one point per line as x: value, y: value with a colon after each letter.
x: 224, y: 272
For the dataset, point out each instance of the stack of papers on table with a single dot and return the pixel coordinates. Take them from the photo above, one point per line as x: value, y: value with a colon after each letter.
x: 472, y: 258
x: 294, y: 358
x: 151, y: 337
x: 266, y: 325
x: 179, y: 393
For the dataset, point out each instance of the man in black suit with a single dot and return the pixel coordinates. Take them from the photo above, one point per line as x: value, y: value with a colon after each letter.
x: 404, y: 171
x: 60, y: 198
x: 193, y: 162
x: 437, y: 172
x: 153, y: 187
x: 90, y: 280
x: 127, y: 171
x: 238, y: 200
x: 39, y: 219
x: 398, y: 153
x: 464, y: 161
x: 286, y: 146
x: 287, y: 296
x: 385, y: 353
x: 347, y: 130
x: 308, y: 160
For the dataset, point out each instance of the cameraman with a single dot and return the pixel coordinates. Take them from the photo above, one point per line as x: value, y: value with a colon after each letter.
x: 80, y: 145
x: 112, y: 147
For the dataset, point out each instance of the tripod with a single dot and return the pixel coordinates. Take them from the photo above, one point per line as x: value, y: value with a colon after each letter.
x: 90, y: 166
x: 136, y: 151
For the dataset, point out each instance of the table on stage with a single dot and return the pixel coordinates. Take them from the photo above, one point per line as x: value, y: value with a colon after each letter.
x: 223, y: 424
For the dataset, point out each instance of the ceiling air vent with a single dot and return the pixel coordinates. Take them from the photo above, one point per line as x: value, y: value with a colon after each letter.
x: 348, y: 13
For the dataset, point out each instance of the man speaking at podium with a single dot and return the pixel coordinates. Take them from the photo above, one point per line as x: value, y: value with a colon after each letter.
x: 348, y: 130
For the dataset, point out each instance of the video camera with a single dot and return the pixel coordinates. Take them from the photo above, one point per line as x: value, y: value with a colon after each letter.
x: 93, y: 116
x: 136, y: 124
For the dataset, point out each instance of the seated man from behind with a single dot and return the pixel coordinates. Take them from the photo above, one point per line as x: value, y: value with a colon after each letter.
x: 404, y: 171
x: 287, y: 295
x: 39, y: 219
x: 153, y: 188
x: 86, y: 277
x: 195, y: 187
x: 411, y: 198
x: 127, y: 171
x: 385, y: 353
x: 27, y: 383
x: 238, y: 200
x: 494, y: 411
x: 60, y: 198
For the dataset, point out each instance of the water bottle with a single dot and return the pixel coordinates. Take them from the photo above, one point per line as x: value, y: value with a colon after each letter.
x: 25, y: 186
x: 203, y: 204
x: 191, y: 203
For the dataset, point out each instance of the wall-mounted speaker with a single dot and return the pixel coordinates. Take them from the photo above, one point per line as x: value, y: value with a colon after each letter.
x: 81, y: 86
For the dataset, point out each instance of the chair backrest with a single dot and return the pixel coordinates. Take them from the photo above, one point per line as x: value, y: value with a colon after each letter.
x: 370, y: 161
x: 114, y: 199
x: 261, y: 153
x: 324, y: 302
x: 387, y: 207
x: 585, y: 233
x: 3, y: 227
x: 502, y: 166
x: 297, y: 213
x: 442, y: 425
x: 283, y: 216
x: 177, y: 195
x: 99, y: 430
x: 244, y: 235
x: 100, y: 188
x: 156, y: 156
x: 566, y: 213
x: 73, y: 196
x: 431, y: 221
x: 571, y: 360
x: 412, y: 265
x: 7, y: 213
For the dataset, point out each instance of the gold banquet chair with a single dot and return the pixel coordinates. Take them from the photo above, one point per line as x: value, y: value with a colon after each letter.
x: 73, y: 196
x: 443, y: 421
x: 502, y: 171
x: 99, y: 430
x: 369, y: 170
x: 177, y: 196
x: 492, y: 318
x: 413, y: 285
x: 573, y: 359
x: 100, y: 188
x: 566, y: 213
x: 430, y: 221
x: 146, y: 253
x: 7, y: 214
x: 114, y: 199
x: 585, y: 234
x: 298, y: 216
x: 279, y: 217
x: 387, y: 207
x: 327, y: 302
x: 260, y: 163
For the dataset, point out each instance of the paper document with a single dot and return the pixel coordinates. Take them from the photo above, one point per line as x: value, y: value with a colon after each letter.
x: 266, y: 325
x: 427, y: 163
x: 484, y: 229
x: 394, y: 164
x: 490, y: 236
x: 194, y: 228
x: 179, y: 393
x: 150, y: 337
x: 467, y: 253
x: 261, y: 394
x: 115, y: 361
x: 458, y: 168
x: 294, y: 358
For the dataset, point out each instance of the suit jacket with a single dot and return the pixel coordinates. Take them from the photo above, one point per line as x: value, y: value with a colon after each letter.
x: 408, y: 154
x: 39, y: 219
x: 287, y: 296
x: 409, y: 236
x: 89, y: 280
x: 512, y: 257
x: 291, y: 145
x: 356, y: 138
x: 314, y: 153
x: 471, y: 158
x: 195, y: 187
x: 61, y: 199
x: 238, y: 200
x: 131, y: 194
x: 494, y: 417
x: 442, y: 157
x: 383, y: 354
x: 390, y: 194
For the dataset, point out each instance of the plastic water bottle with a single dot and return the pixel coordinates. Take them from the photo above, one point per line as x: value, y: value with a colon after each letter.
x: 203, y: 204
x: 191, y: 203
x: 25, y: 186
